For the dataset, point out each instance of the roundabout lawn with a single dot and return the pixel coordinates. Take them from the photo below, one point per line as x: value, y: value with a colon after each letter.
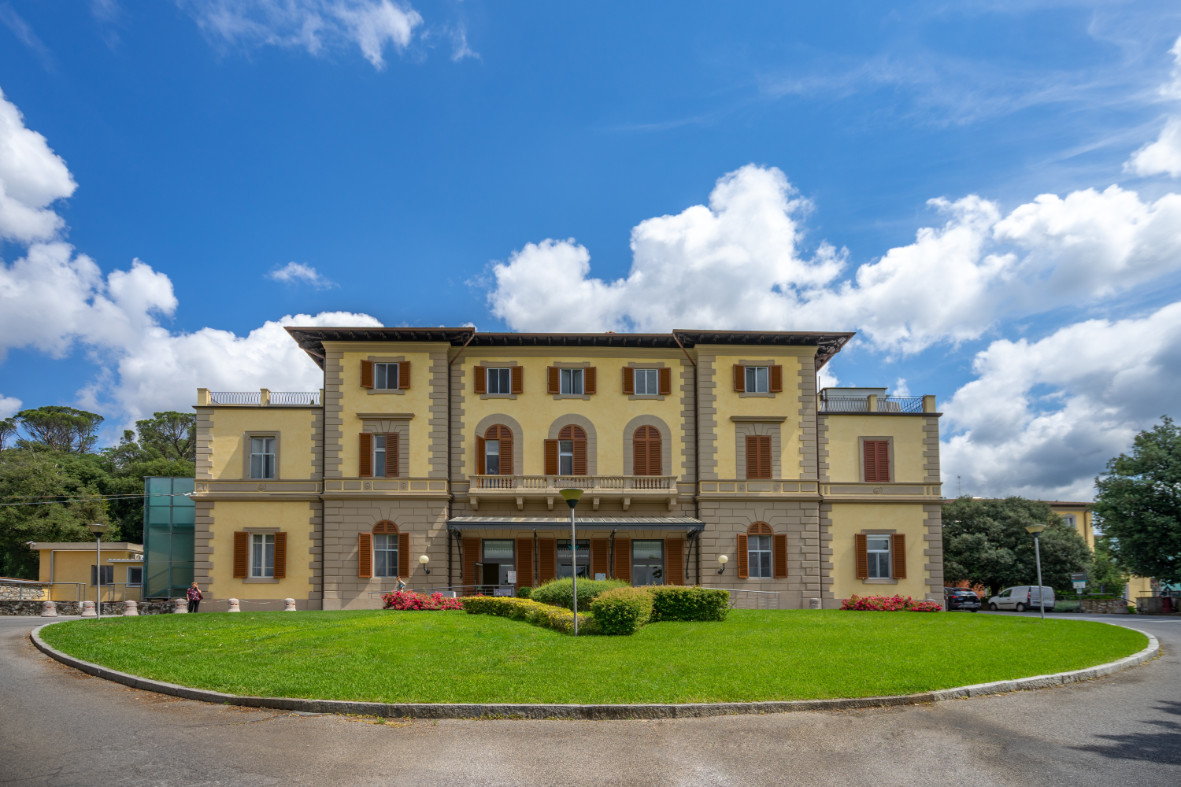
x: 448, y: 657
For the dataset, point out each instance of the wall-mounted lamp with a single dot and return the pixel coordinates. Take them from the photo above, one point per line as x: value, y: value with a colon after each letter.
x: 422, y: 561
x: 722, y: 560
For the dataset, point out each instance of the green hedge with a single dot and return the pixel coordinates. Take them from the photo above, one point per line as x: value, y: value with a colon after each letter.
x: 530, y: 611
x: 622, y: 610
x: 560, y: 592
x: 674, y: 602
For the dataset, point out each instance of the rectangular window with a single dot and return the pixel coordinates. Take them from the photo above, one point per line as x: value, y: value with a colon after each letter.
x: 379, y: 456
x: 262, y: 457
x: 492, y: 457
x: 647, y: 562
x: 877, y: 461
x: 571, y: 382
x: 565, y: 457
x: 878, y: 551
x: 758, y: 379
x: 385, y: 555
x: 262, y: 555
x: 582, y: 559
x: 135, y: 576
x: 758, y: 456
x: 108, y: 575
x: 759, y: 555
x: 647, y: 382
x: 385, y: 376
x: 499, y: 381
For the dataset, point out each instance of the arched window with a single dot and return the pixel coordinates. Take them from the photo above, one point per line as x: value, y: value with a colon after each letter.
x: 384, y: 552
x: 646, y: 451
x: 494, y: 451
x: 761, y: 552
x: 567, y: 454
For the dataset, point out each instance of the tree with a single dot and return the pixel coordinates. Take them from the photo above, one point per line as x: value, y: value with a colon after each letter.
x: 60, y: 428
x: 7, y: 430
x: 985, y: 541
x: 1105, y: 574
x: 171, y: 434
x: 1138, y: 504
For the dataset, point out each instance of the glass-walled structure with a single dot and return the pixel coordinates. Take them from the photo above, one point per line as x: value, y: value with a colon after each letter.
x: 169, y: 516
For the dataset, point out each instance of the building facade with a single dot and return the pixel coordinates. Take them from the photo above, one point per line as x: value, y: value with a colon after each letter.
x: 438, y: 454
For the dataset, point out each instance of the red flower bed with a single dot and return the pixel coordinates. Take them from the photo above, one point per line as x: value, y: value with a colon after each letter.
x: 889, y: 604
x: 409, y: 600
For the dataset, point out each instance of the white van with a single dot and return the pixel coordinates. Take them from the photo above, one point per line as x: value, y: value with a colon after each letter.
x: 1021, y: 598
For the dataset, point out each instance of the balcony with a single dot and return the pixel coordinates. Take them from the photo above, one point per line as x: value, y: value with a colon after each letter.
x: 260, y: 398
x: 903, y: 405
x: 251, y: 489
x: 596, y: 488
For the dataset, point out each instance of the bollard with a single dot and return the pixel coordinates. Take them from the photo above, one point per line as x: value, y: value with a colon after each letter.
x: 180, y: 606
x: 813, y: 603
x: 88, y: 609
x: 289, y: 605
x: 234, y: 606
x: 130, y: 609
x: 48, y: 609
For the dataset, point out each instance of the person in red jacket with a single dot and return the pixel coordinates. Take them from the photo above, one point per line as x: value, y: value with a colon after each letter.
x: 194, y: 595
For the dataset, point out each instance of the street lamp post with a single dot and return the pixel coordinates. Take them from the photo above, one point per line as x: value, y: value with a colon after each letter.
x: 1037, y: 551
x: 98, y: 529
x: 572, y: 496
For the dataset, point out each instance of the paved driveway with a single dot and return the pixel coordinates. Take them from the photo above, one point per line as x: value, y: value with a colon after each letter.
x: 58, y: 726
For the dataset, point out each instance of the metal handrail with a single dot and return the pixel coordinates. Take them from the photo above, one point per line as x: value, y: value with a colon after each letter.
x: 660, y: 483
x: 860, y: 404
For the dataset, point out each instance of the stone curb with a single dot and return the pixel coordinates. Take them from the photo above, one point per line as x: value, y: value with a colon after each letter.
x: 648, y: 711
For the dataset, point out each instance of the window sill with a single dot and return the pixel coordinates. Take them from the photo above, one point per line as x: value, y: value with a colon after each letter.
x: 756, y: 395
x: 261, y: 581
x: 880, y: 581
x: 499, y: 396
x: 570, y: 396
x: 399, y: 391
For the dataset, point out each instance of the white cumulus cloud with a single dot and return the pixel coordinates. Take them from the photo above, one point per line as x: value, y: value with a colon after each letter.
x: 32, y: 178
x: 297, y: 272
x: 9, y: 406
x: 1163, y: 156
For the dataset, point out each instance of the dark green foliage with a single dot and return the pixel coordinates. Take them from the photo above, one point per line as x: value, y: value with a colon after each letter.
x: 60, y: 428
x: 1105, y: 575
x: 622, y: 610
x: 985, y: 541
x: 524, y: 592
x: 560, y: 592
x: 529, y: 611
x: 7, y: 430
x: 1138, y: 504
x: 673, y: 602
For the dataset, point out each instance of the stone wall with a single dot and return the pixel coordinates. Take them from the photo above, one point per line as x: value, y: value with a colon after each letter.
x: 12, y: 607
x: 19, y: 592
x: 1105, y: 606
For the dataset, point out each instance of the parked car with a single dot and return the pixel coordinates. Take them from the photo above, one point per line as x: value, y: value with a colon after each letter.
x: 1021, y: 598
x: 960, y: 598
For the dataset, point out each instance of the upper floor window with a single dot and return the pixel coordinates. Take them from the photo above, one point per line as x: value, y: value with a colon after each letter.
x: 494, y: 451
x: 499, y: 380
x: 262, y: 457
x: 385, y: 375
x: 378, y: 455
x: 876, y: 455
x: 758, y: 456
x: 571, y: 382
x: 647, y: 382
x: 758, y: 378
x: 646, y: 451
x: 567, y: 454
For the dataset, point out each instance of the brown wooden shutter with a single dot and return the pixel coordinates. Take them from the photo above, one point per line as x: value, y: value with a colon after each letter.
x: 471, y: 554
x: 280, y: 555
x: 551, y: 457
x: 403, y: 555
x: 600, y: 549
x: 553, y: 380
x: 623, y: 559
x: 506, y: 451
x: 877, y: 460
x: 629, y: 380
x: 524, y: 564
x: 365, y: 469
x: 742, y: 555
x: 366, y: 374
x: 739, y: 378
x: 404, y: 374
x: 758, y: 456
x: 580, y: 457
x: 547, y: 559
x: 588, y: 380
x: 861, y: 548
x: 639, y: 453
x: 479, y: 380
x: 391, y: 455
x: 241, y: 554
x: 674, y: 561
x: 517, y: 379
x: 776, y: 382
x: 898, y: 555
x: 779, y: 554
x: 480, y: 447
x: 365, y: 555
x: 883, y: 451
x: 665, y: 381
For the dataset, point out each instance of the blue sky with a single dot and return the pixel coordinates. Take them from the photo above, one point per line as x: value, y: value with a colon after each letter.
x: 986, y: 192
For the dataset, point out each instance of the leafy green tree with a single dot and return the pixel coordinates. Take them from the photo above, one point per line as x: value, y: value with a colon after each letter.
x: 7, y: 430
x: 985, y: 541
x: 60, y: 428
x: 171, y: 434
x: 1105, y: 574
x: 1138, y: 504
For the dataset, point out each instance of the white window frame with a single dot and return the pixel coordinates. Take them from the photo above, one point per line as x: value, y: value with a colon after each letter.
x: 262, y: 449
x: 565, y: 457
x: 571, y: 382
x: 879, y: 560
x: 758, y: 379
x: 758, y: 555
x: 385, y: 376
x: 492, y: 457
x: 385, y: 545
x: 260, y: 545
x: 499, y: 380
x: 378, y: 458
x: 646, y: 382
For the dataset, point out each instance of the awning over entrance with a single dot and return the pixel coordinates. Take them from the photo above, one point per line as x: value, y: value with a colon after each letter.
x: 678, y: 523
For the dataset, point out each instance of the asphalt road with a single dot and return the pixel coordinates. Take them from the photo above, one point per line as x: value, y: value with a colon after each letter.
x: 58, y: 726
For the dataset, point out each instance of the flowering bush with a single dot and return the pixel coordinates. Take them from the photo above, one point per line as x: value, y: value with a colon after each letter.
x: 409, y: 600
x: 893, y: 603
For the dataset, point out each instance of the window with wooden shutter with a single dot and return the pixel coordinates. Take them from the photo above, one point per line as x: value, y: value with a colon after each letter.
x: 365, y: 469
x: 481, y: 447
x: 471, y: 556
x: 517, y: 381
x: 629, y: 380
x: 479, y: 380
x: 551, y: 457
x: 503, y: 455
x: 739, y: 378
x: 588, y: 380
x: 403, y: 554
x: 365, y: 555
x: 391, y: 455
x: 898, y: 555
x: 404, y: 374
x: 553, y: 377
x: 776, y: 385
x: 524, y: 564
x: 366, y: 374
x: 877, y: 461
x: 623, y: 559
x: 575, y: 436
x: 241, y: 554
x: 861, y: 551
x: 779, y: 555
x: 742, y: 557
x: 599, y: 550
x: 666, y: 381
x: 758, y: 456
x: 646, y: 451
x: 280, y: 555
x: 547, y: 559
x: 674, y: 561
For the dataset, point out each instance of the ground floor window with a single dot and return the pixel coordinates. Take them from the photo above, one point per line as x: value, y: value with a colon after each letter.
x: 647, y: 562
x: 262, y: 555
x: 877, y: 549
x: 108, y: 575
x: 135, y: 576
x: 759, y: 555
x: 496, y: 565
x: 385, y: 555
x: 581, y: 555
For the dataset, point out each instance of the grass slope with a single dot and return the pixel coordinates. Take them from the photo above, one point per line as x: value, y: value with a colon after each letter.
x: 454, y: 657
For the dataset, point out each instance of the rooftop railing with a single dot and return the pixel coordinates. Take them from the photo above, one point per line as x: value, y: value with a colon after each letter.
x: 263, y: 397
x: 872, y: 404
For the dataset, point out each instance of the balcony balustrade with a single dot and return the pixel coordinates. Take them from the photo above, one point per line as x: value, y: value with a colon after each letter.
x: 624, y: 488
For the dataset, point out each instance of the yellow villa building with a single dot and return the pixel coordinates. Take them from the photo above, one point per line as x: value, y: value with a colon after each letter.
x: 438, y: 454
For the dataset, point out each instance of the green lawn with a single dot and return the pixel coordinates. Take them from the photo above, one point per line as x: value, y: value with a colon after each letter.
x: 386, y: 656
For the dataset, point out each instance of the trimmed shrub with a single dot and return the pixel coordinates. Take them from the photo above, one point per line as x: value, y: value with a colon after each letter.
x: 409, y: 600
x: 675, y: 602
x: 529, y: 611
x: 622, y: 610
x: 894, y: 603
x: 524, y: 592
x: 560, y: 592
